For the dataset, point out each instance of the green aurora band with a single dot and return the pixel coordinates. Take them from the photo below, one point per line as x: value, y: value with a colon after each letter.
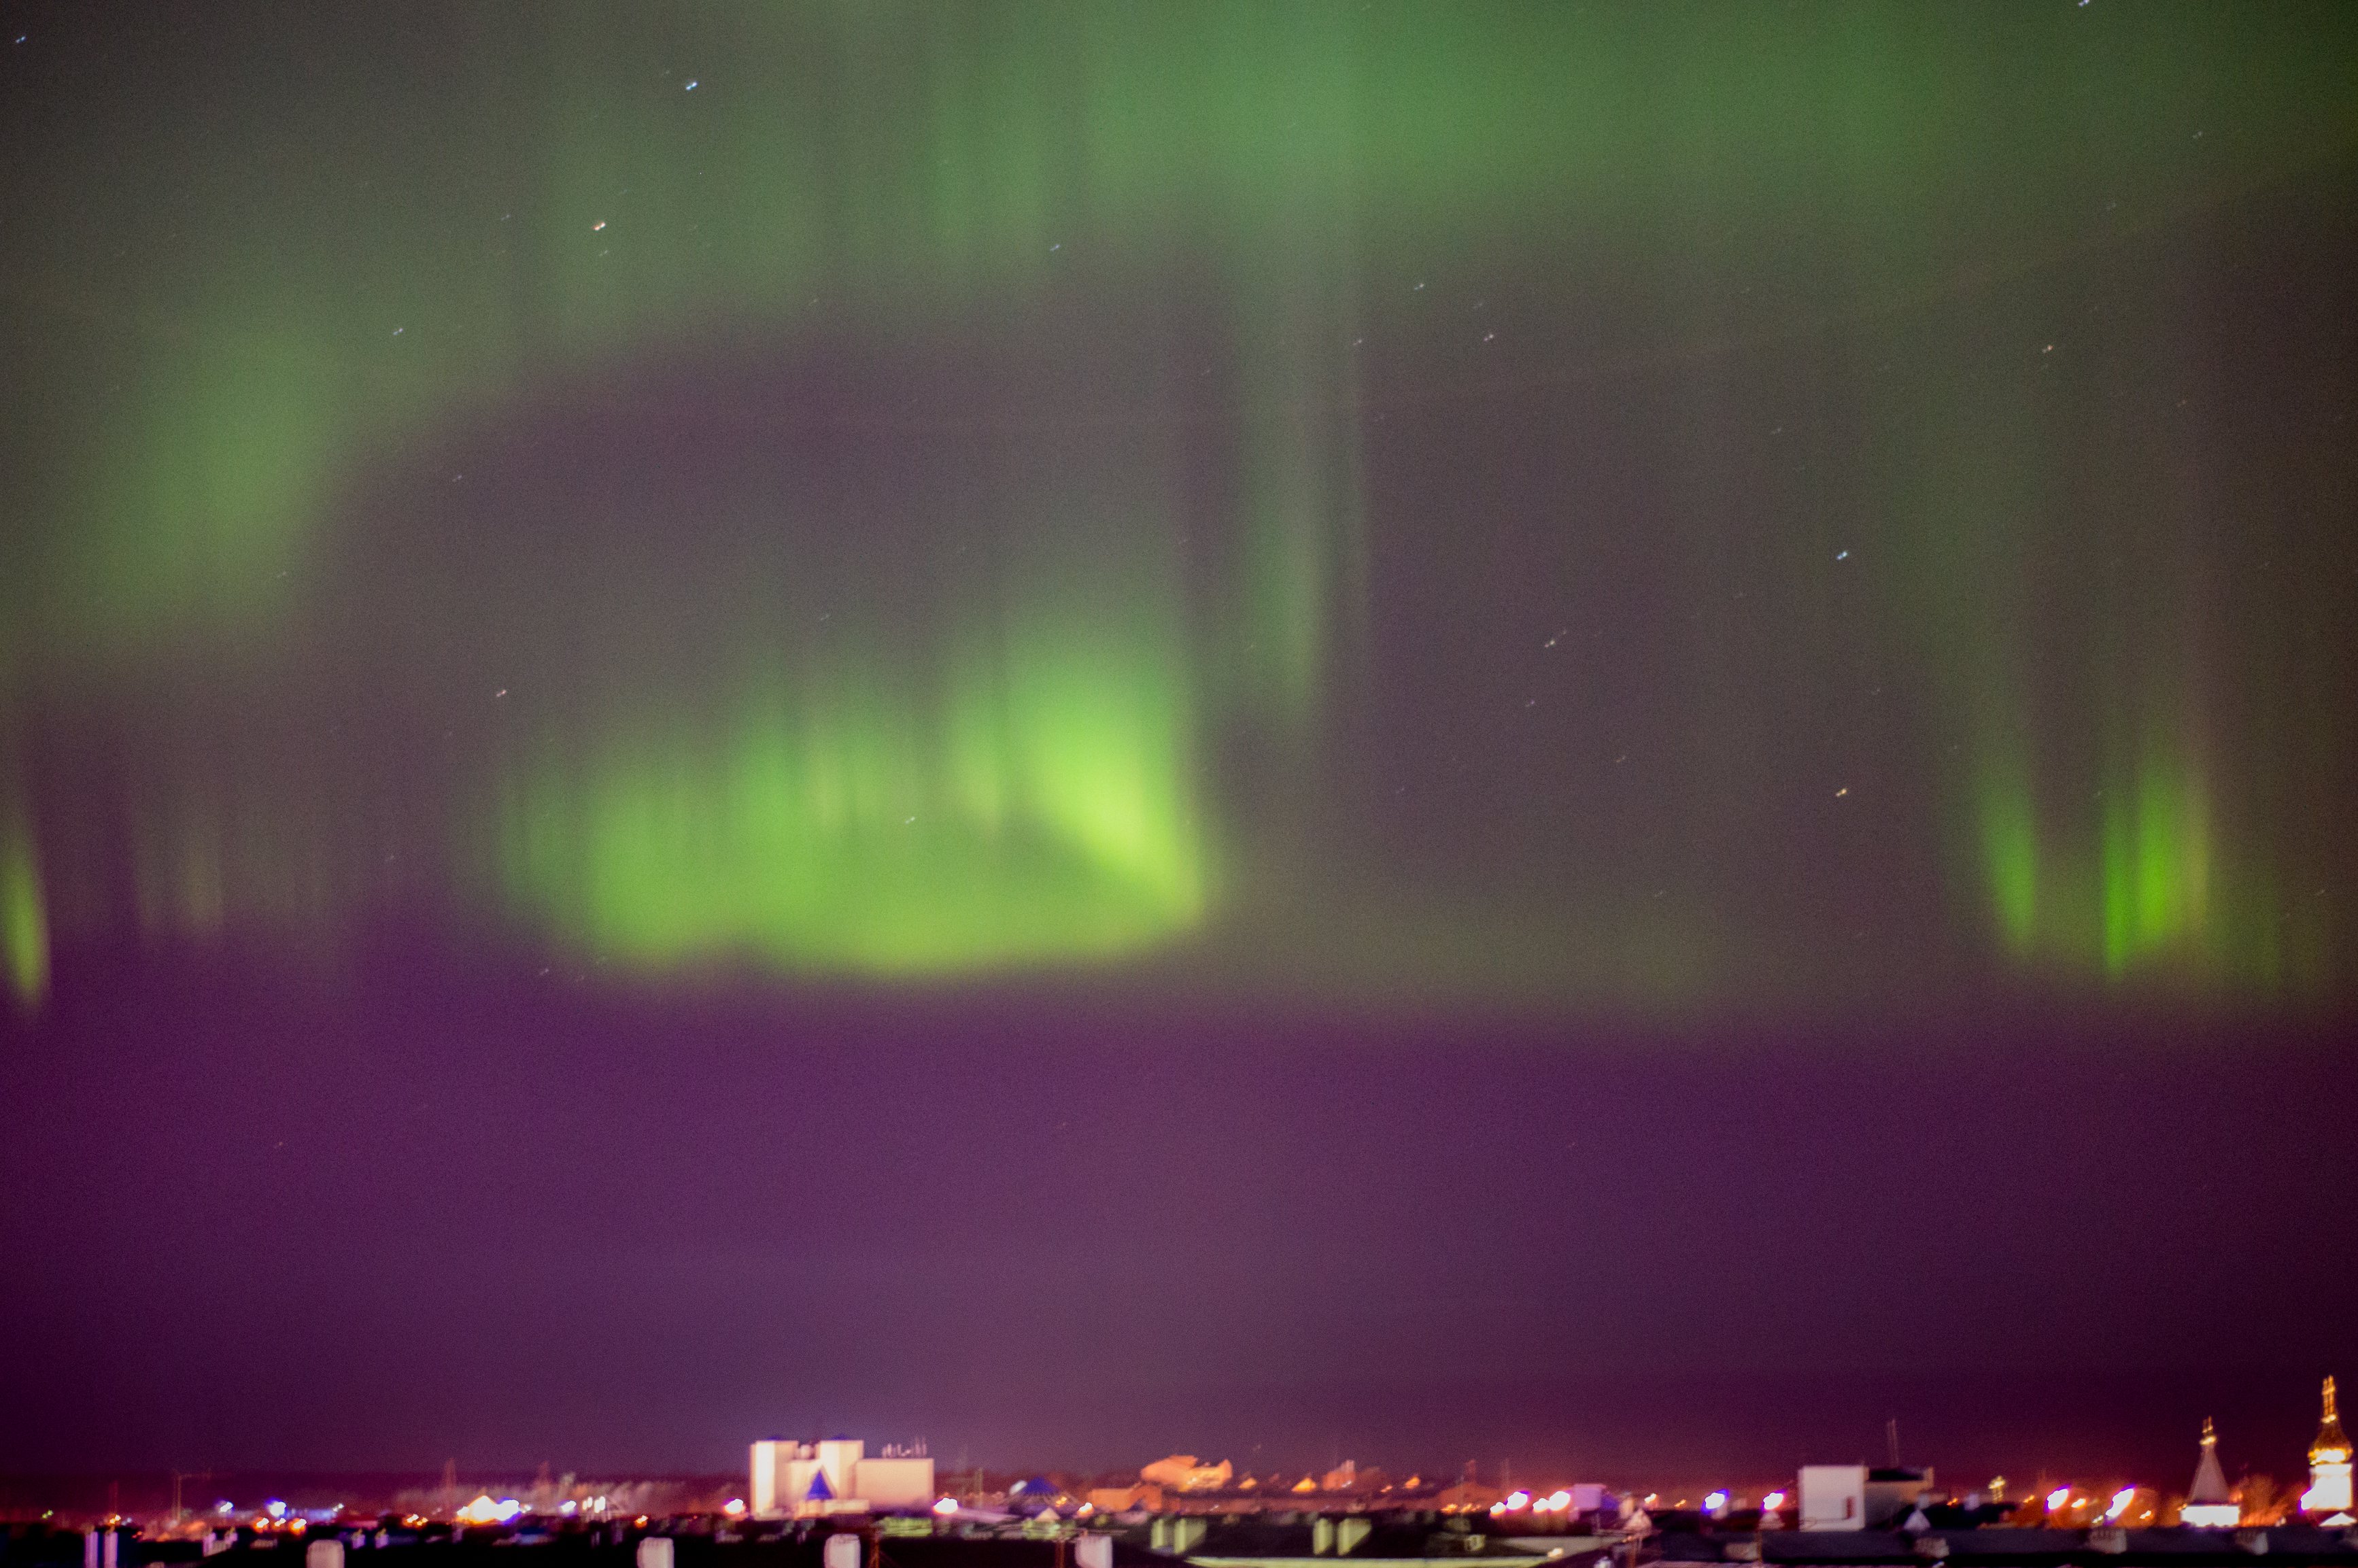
x: 327, y: 270
x: 1039, y: 810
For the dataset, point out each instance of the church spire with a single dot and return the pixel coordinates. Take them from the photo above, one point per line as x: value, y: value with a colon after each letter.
x: 2210, y: 1487
x: 2330, y: 1447
x: 2329, y: 1466
x: 2208, y: 1504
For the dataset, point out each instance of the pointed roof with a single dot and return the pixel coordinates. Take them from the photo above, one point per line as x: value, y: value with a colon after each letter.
x: 2330, y: 1447
x: 2209, y: 1482
x: 820, y: 1492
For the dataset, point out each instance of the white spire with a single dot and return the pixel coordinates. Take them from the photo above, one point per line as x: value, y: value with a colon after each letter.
x: 2208, y: 1500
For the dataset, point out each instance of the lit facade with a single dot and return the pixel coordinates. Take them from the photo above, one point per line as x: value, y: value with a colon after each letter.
x: 796, y: 1480
x: 1182, y: 1473
x: 1833, y: 1496
x: 2328, y: 1465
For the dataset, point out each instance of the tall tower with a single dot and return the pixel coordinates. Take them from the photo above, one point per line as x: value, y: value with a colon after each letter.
x: 2328, y: 1465
x: 2208, y: 1503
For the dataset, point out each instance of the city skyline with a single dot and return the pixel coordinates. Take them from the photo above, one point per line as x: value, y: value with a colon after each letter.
x: 837, y: 1478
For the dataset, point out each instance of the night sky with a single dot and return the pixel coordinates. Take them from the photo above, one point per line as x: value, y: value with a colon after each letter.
x: 1613, y: 736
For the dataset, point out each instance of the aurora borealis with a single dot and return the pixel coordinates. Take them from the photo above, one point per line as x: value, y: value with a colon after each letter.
x: 1850, y: 501
x: 1214, y: 701
x: 1696, y: 492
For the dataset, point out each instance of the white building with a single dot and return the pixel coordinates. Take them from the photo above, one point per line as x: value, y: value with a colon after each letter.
x: 1853, y: 1497
x: 794, y: 1479
x: 1833, y: 1496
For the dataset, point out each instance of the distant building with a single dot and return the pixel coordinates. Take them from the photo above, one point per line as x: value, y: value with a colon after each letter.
x: 800, y: 1480
x: 1037, y: 1495
x: 1833, y: 1496
x: 1181, y: 1473
x: 2329, y: 1466
x: 1895, y: 1491
x: 1853, y: 1497
x: 2208, y: 1503
x: 1466, y: 1496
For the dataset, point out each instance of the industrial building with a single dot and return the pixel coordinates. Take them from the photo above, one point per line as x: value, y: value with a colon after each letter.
x: 806, y: 1480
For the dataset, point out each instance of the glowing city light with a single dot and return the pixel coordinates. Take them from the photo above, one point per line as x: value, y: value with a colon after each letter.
x: 483, y: 1510
x: 2059, y: 1499
x: 2121, y: 1502
x: 944, y: 1507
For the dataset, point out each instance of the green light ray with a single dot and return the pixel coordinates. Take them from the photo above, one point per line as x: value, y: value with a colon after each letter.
x: 893, y: 155
x: 2094, y: 843
x: 1043, y: 812
x: 2010, y: 857
x: 207, y: 495
x: 23, y: 914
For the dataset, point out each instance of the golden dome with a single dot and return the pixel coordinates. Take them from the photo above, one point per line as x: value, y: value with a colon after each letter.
x: 2330, y: 1447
